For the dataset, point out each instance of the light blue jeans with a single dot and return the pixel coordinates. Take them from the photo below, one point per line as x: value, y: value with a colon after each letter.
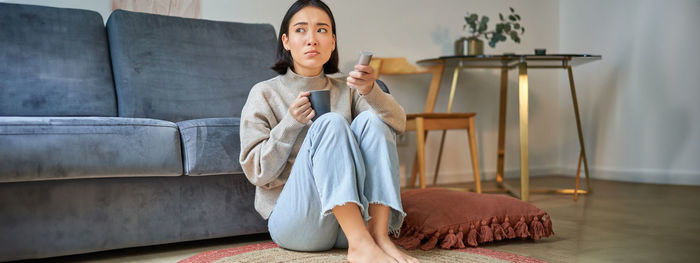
x: 337, y: 164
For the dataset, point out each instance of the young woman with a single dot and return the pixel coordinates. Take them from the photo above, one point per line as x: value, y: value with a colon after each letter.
x: 332, y: 182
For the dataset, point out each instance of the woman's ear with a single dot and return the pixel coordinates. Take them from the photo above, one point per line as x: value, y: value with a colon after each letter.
x: 333, y: 43
x: 285, y: 41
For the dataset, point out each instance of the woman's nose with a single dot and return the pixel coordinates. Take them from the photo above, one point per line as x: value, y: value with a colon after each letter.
x: 311, y: 40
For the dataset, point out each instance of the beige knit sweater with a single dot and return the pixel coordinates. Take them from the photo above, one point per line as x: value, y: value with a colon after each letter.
x: 271, y: 137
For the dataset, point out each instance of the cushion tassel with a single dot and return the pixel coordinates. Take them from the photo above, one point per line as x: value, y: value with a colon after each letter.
x: 449, y: 240
x: 510, y: 233
x: 536, y: 228
x: 485, y: 233
x: 548, y: 225
x: 460, y: 238
x: 498, y: 233
x: 408, y: 231
x: 521, y: 228
x: 431, y: 243
x: 403, y: 239
x: 412, y: 242
x: 471, y: 236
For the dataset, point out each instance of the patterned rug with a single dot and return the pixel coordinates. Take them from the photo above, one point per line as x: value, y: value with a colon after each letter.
x: 270, y: 252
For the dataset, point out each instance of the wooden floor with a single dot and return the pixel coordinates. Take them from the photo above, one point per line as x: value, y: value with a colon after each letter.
x: 619, y: 222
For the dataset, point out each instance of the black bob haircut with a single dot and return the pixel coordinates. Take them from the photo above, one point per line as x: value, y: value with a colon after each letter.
x: 284, y: 57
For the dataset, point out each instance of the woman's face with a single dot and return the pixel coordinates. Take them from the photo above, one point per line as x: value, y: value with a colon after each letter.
x: 310, y: 40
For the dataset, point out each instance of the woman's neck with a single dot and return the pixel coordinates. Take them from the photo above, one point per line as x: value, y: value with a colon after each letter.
x: 307, y: 72
x: 297, y: 83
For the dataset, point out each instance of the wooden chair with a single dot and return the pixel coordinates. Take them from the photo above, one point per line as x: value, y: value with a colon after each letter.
x: 429, y: 120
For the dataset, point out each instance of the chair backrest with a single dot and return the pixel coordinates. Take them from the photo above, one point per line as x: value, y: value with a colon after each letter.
x: 54, y: 62
x: 401, y: 66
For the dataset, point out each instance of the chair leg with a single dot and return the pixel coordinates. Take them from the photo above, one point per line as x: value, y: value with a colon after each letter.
x: 471, y: 131
x: 439, y: 159
x: 420, y: 132
x: 414, y: 169
x: 414, y: 172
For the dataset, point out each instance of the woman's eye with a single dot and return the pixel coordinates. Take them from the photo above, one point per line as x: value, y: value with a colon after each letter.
x: 322, y: 30
x: 300, y: 30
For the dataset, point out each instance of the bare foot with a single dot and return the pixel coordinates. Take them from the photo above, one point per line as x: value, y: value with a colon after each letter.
x: 368, y: 251
x: 384, y: 242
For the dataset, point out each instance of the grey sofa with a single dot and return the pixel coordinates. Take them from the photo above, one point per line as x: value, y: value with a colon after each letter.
x: 123, y: 135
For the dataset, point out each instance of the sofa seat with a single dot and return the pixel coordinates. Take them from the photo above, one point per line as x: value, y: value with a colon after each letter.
x: 211, y: 146
x: 46, y: 148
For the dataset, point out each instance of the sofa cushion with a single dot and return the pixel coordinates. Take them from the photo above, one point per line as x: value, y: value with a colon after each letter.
x: 176, y: 69
x: 211, y: 146
x: 54, y: 62
x: 44, y: 148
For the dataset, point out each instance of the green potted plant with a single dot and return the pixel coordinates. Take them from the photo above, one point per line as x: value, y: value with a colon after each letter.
x: 508, y: 27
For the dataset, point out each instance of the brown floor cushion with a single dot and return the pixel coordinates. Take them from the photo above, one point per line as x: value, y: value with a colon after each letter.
x: 454, y: 219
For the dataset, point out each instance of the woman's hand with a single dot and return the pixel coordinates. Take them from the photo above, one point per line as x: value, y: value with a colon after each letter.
x: 301, y: 108
x: 362, y: 78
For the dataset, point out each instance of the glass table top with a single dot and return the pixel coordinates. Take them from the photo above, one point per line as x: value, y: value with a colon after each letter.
x: 512, y: 60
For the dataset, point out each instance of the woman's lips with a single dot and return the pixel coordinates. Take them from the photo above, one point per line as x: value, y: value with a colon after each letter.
x: 311, y: 53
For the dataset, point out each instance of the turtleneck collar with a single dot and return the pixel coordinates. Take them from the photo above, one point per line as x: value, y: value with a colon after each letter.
x: 294, y: 80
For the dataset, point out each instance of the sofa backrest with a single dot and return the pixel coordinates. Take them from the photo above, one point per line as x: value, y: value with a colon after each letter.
x: 54, y: 62
x: 175, y: 69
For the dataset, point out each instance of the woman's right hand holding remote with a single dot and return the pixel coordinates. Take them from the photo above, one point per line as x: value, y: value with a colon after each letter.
x: 301, y: 108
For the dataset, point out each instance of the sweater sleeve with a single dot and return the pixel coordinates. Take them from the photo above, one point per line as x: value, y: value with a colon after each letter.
x: 266, y: 142
x: 383, y: 104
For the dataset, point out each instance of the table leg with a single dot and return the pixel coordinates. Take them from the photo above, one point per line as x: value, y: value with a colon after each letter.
x: 582, y: 155
x: 578, y: 176
x: 502, y: 126
x: 578, y: 127
x: 455, y: 77
x: 523, y: 104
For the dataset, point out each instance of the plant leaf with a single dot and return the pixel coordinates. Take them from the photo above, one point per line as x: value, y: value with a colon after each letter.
x: 523, y: 32
x: 506, y: 28
x: 501, y: 16
x: 474, y: 17
x: 514, y: 36
x: 516, y: 26
x: 517, y: 16
x: 511, y: 18
x: 493, y: 41
x: 484, y: 19
x: 472, y: 21
x: 512, y: 10
x: 483, y: 25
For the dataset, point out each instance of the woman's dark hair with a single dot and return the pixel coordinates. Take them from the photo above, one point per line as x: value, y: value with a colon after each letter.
x: 284, y: 57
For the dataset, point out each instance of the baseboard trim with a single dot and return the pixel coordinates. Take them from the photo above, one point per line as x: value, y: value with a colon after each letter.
x: 637, y: 176
x: 641, y: 175
x: 461, y: 177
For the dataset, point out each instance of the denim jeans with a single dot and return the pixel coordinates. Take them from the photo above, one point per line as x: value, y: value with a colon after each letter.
x: 336, y: 165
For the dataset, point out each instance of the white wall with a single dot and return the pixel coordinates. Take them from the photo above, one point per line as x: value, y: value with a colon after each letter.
x: 101, y: 6
x: 640, y: 103
x: 637, y: 103
x: 427, y: 29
